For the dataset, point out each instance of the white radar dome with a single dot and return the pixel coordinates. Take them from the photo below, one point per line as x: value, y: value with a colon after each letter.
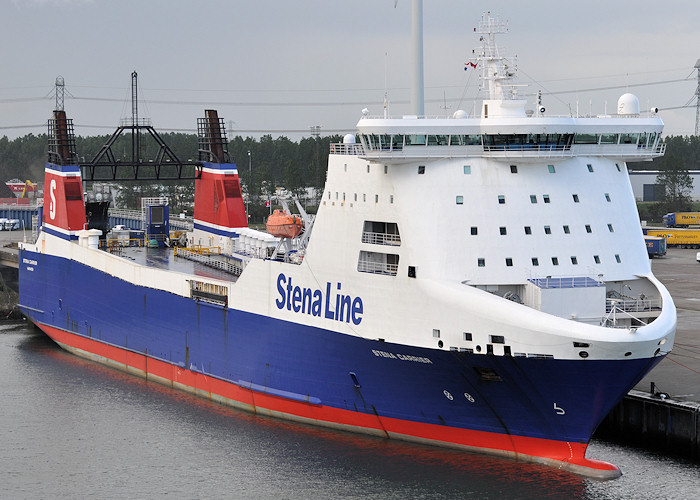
x: 349, y: 139
x: 460, y: 114
x: 628, y: 104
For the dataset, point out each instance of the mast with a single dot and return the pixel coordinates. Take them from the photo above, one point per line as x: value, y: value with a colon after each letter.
x: 417, y: 90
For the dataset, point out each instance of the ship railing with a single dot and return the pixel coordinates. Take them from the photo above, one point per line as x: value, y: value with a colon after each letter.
x: 633, y: 305
x: 196, y: 249
x: 377, y: 267
x: 347, y: 149
x: 381, y: 238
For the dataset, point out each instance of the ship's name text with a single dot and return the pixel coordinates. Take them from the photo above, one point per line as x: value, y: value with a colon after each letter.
x: 403, y: 357
x: 316, y: 303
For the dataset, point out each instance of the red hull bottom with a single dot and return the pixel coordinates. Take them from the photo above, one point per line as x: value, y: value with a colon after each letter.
x: 558, y: 454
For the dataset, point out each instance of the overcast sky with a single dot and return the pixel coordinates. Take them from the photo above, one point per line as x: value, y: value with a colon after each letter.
x: 281, y: 66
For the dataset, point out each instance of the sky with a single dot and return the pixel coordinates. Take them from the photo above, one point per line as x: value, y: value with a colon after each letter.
x: 280, y: 67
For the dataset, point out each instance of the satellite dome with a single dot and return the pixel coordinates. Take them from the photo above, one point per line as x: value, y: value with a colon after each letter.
x: 628, y: 104
x: 460, y: 114
x: 349, y: 139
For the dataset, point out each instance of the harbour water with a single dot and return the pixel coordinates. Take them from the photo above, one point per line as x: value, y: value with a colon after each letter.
x: 71, y: 428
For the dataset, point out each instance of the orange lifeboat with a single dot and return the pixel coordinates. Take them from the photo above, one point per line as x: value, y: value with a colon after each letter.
x: 284, y: 225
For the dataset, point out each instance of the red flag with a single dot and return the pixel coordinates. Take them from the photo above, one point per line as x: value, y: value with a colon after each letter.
x: 268, y: 203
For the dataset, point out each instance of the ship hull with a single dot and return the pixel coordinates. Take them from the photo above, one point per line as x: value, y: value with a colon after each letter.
x: 541, y: 410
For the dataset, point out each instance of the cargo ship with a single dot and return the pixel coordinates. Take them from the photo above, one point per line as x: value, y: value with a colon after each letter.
x: 476, y: 281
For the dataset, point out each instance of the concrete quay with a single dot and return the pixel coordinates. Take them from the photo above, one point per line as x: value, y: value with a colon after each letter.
x: 678, y: 375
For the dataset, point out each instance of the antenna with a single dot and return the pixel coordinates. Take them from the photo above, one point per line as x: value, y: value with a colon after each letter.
x: 386, y: 90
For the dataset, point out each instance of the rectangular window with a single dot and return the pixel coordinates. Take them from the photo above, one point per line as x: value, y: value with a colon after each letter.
x: 364, y: 197
x: 535, y: 261
x: 376, y: 198
x: 355, y: 196
x: 551, y: 169
x: 575, y: 196
x: 590, y: 167
x: 566, y: 230
x: 421, y: 169
x: 436, y: 333
x: 509, y: 262
x: 528, y: 230
x: 386, y: 169
x: 607, y: 197
x: 617, y: 258
x: 378, y: 263
x: 610, y: 228
x: 513, y: 169
x: 497, y: 339
x: 547, y: 230
x: 533, y: 198
x: 481, y: 262
x: 545, y: 197
x: 467, y: 336
x: 467, y: 169
x: 502, y: 229
x: 596, y: 258
x: 474, y: 230
x: 381, y: 233
x: 574, y: 260
x: 501, y: 199
x: 588, y: 228
x: 460, y: 200
x: 555, y: 261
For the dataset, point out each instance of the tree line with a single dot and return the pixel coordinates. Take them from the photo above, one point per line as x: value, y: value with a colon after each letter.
x: 268, y: 163
x: 263, y: 164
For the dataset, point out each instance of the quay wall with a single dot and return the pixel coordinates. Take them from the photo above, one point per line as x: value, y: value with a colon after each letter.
x: 656, y: 422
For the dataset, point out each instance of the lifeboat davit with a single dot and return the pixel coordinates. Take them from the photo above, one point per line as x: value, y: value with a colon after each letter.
x: 284, y: 225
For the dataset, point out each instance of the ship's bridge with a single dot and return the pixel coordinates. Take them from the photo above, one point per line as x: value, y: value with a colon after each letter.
x: 410, y: 138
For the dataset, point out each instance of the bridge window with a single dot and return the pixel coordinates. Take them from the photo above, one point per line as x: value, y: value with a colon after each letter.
x: 586, y: 139
x: 467, y: 169
x: 481, y: 262
x: 535, y: 261
x: 551, y: 169
x: 415, y: 140
x: 533, y: 198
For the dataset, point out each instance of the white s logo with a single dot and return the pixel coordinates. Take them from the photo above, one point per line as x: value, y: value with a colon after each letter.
x: 52, y: 205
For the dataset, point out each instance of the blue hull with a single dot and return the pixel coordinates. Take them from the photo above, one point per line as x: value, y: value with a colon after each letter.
x: 560, y: 400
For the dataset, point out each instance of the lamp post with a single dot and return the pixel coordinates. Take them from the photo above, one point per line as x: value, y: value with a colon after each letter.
x: 250, y: 160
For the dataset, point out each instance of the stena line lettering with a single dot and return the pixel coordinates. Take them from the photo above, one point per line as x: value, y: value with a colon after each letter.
x: 317, y: 303
x: 52, y: 205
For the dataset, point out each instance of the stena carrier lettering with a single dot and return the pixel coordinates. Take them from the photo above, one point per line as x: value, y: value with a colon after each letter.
x: 476, y: 281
